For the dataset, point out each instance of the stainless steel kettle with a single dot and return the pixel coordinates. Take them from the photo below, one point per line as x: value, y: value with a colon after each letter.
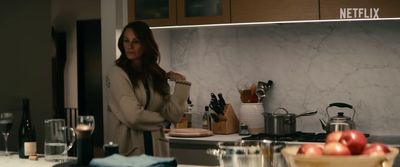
x: 339, y: 122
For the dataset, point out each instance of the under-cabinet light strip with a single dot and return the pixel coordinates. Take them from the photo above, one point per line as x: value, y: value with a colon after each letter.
x: 273, y: 22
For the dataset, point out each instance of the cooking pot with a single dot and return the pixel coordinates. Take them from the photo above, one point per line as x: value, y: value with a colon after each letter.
x: 282, y: 124
x: 339, y: 122
x: 243, y: 153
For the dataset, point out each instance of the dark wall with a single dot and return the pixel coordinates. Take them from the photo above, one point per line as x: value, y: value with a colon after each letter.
x: 25, y: 63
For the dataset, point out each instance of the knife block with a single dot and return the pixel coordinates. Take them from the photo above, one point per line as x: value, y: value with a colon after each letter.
x: 228, y: 124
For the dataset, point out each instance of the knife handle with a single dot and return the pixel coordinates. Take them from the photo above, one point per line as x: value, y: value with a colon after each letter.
x: 213, y: 96
x: 221, y: 99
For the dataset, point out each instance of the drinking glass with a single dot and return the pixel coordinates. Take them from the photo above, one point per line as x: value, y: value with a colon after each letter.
x: 85, y: 124
x: 6, y: 121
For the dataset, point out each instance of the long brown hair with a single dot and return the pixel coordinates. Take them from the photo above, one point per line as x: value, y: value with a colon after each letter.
x: 150, y: 59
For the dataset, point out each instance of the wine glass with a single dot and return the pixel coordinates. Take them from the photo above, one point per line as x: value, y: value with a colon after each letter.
x: 85, y: 125
x: 6, y: 121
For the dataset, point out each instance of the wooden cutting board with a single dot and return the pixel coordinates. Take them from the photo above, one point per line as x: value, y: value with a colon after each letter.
x: 190, y: 132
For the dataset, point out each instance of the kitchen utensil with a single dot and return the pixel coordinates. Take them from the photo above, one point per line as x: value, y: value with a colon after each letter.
x: 216, y: 108
x: 339, y: 122
x: 213, y: 97
x: 277, y: 160
x: 281, y: 124
x: 295, y: 160
x: 253, y: 89
x: 262, y: 89
x: 247, y: 97
x: 216, y: 105
x: 242, y: 153
x: 307, y: 114
x: 221, y: 100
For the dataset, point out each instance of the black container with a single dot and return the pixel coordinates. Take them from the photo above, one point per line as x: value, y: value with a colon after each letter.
x: 84, y: 147
x: 110, y: 149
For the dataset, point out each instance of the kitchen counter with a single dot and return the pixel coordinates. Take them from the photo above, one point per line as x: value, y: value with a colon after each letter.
x: 206, y: 140
x: 394, y: 141
x: 389, y: 140
x: 14, y: 161
x: 190, y: 152
x: 194, y: 150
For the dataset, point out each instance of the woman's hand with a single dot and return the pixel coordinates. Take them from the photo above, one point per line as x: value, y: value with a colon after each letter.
x: 173, y: 76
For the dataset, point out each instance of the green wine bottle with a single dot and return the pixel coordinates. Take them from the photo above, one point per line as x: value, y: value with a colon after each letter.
x: 27, y: 135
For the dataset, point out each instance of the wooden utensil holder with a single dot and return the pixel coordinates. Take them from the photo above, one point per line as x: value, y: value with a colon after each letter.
x: 228, y: 124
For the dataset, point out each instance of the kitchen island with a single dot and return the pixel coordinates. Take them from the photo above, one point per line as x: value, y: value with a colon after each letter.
x: 189, y: 152
x: 193, y: 150
x: 14, y: 161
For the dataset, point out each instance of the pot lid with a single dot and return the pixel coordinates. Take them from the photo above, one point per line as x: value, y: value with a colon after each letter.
x: 278, y: 113
x: 283, y: 115
x: 340, y: 117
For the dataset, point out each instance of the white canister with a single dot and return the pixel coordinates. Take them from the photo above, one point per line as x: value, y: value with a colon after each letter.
x: 251, y: 115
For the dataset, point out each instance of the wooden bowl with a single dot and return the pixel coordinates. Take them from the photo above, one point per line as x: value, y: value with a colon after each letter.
x: 294, y: 160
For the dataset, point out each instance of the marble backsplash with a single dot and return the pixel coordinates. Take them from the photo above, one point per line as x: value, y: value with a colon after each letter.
x: 311, y: 64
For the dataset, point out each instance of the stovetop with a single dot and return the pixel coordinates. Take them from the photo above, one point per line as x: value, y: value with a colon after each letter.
x: 298, y: 136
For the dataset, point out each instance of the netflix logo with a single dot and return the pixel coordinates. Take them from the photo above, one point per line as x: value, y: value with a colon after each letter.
x: 359, y: 13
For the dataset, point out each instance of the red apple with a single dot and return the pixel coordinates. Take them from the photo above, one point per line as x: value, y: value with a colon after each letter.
x: 333, y: 136
x: 354, y: 140
x: 336, y: 148
x: 311, y: 149
x: 374, y: 153
x: 376, y: 149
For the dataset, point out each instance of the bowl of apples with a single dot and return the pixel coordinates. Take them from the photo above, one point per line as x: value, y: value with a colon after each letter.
x: 345, y: 149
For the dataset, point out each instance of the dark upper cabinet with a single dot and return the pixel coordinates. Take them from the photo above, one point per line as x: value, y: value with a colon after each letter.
x: 153, y: 12
x: 203, y: 11
x: 179, y: 12
x: 190, y: 12
x: 273, y: 10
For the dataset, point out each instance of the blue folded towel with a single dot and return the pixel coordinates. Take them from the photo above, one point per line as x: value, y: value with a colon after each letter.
x: 134, y: 161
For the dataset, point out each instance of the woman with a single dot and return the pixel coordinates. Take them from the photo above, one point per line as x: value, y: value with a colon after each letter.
x: 139, y: 101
